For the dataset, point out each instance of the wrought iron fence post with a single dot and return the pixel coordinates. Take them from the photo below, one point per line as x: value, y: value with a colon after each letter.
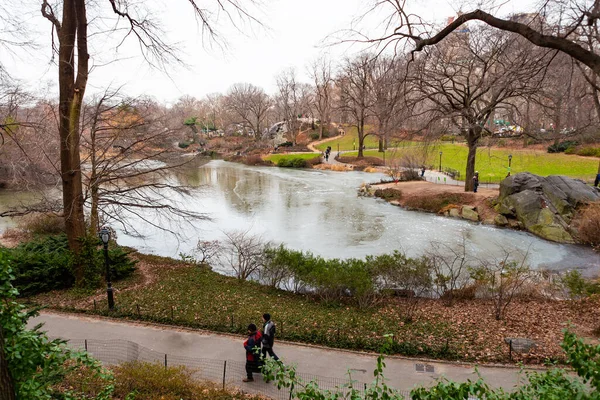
x: 165, y: 361
x: 224, y: 373
x: 85, y: 344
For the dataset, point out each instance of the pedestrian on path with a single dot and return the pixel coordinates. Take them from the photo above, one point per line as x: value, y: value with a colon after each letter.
x: 422, y: 171
x: 597, y: 181
x: 268, y: 337
x: 252, y: 346
x: 475, y: 181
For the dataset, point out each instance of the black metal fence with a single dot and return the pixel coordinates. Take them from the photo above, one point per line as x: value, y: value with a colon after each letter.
x: 228, y: 373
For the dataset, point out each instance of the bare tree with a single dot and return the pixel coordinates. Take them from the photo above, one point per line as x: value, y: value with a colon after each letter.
x: 128, y: 147
x: 249, y: 104
x: 555, y: 24
x: 465, y: 80
x: 208, y: 250
x: 450, y: 265
x: 244, y: 253
x: 356, y: 93
x: 29, y: 154
x: 73, y: 70
x: 322, y: 75
x: 389, y: 75
x: 502, y: 278
x: 293, y: 100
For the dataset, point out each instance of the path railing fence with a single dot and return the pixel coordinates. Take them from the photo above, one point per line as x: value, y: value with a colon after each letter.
x: 228, y: 373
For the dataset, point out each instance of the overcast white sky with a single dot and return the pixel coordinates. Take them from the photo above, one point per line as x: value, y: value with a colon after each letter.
x: 293, y: 36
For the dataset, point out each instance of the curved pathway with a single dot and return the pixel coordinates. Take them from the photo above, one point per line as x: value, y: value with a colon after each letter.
x: 401, y: 372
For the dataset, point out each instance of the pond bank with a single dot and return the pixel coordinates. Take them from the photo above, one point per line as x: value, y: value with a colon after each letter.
x: 538, y: 215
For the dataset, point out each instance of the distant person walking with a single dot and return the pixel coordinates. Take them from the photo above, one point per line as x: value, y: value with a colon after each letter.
x: 597, y: 181
x: 327, y: 152
x: 475, y: 182
x: 422, y: 172
x: 252, y: 346
x: 268, y: 337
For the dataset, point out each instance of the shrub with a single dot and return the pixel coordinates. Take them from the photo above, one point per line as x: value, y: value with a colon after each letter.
x: 388, y: 194
x: 571, y: 150
x: 314, y: 136
x: 589, y: 227
x: 589, y: 152
x: 364, y: 162
x: 314, y: 161
x: 149, y: 381
x: 183, y: 145
x: 36, y: 364
x: 42, y: 224
x: 576, y: 286
x: 560, y: 147
x: 255, y: 160
x: 44, y: 264
x: 292, y: 163
x: 437, y: 203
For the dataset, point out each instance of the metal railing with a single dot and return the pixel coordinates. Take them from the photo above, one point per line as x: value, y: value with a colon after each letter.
x: 228, y: 373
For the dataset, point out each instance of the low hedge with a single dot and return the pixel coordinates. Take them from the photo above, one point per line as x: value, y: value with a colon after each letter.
x: 45, y: 264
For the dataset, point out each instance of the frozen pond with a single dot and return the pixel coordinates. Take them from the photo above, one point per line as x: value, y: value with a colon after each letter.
x: 319, y: 211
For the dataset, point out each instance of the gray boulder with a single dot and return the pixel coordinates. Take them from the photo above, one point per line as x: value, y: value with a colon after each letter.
x: 544, y: 206
x: 500, y: 220
x: 470, y: 213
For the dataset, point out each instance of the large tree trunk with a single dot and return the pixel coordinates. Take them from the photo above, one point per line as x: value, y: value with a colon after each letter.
x: 7, y: 387
x: 72, y: 89
x: 361, y: 138
x: 472, y: 140
x: 596, y: 103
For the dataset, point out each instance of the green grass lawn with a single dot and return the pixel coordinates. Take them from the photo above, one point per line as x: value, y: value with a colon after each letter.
x: 350, y: 141
x: 492, y: 163
x: 305, y: 156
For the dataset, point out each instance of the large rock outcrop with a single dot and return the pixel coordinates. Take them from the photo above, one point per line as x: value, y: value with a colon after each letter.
x: 544, y: 206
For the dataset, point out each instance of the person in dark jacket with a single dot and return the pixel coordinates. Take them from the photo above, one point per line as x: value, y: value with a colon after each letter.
x: 252, y: 346
x: 475, y: 181
x: 597, y: 181
x: 268, y: 337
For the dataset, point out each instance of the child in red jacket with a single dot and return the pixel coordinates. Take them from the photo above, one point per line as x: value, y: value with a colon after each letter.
x: 252, y: 346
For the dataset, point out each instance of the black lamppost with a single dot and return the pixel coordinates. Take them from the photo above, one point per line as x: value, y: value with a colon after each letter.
x: 105, y: 237
x: 509, y: 162
x: 440, y: 161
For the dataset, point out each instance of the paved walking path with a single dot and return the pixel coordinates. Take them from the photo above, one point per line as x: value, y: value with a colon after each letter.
x: 401, y: 372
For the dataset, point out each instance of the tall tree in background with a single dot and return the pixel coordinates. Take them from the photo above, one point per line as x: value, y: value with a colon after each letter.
x: 322, y: 75
x: 73, y: 70
x: 466, y: 79
x: 389, y: 75
x: 249, y: 104
x: 293, y: 100
x: 355, y: 81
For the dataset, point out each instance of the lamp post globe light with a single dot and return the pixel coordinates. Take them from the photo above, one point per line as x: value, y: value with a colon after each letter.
x: 104, y: 235
x: 440, y: 161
